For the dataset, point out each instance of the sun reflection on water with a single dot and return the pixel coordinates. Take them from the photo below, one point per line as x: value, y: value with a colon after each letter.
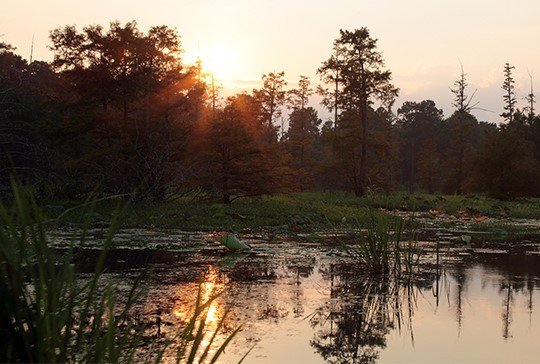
x: 213, y: 283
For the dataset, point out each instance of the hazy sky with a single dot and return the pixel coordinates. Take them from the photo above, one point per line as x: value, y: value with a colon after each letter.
x: 422, y: 41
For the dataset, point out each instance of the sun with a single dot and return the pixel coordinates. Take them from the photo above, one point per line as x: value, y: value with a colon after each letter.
x: 219, y: 61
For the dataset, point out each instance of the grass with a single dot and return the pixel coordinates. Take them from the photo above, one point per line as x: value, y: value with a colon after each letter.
x: 384, y: 249
x: 278, y: 213
x: 49, y: 315
x: 46, y: 315
x: 452, y: 204
x: 306, y: 211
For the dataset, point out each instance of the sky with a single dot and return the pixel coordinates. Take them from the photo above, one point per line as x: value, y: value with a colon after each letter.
x: 422, y: 41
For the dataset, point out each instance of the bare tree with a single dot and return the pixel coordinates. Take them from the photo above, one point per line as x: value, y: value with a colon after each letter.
x: 462, y: 101
x: 531, y: 100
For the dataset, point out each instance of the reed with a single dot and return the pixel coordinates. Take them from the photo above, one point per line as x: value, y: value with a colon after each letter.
x: 383, y: 247
x: 49, y: 315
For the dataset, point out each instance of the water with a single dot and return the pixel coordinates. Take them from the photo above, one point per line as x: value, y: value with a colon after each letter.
x: 302, y: 303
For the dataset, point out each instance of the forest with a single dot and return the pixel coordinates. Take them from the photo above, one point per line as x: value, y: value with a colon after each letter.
x: 117, y: 111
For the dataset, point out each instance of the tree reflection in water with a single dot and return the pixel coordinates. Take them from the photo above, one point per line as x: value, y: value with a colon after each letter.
x: 352, y: 326
x: 324, y: 306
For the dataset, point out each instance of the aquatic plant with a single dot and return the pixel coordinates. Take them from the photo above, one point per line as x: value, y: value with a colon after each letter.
x: 382, y: 248
x: 48, y: 314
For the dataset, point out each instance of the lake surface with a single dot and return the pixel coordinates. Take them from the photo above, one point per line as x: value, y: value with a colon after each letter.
x: 302, y: 302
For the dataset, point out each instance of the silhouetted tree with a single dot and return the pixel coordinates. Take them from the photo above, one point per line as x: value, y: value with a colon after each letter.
x: 238, y: 161
x: 510, y: 95
x: 330, y: 75
x: 299, y: 97
x: 462, y: 101
x: 418, y: 122
x: 531, y: 100
x: 138, y: 100
x: 461, y: 128
x: 271, y: 96
x: 364, y: 79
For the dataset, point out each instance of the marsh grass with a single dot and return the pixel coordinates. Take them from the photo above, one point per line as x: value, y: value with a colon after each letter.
x: 49, y: 315
x: 387, y: 246
x: 304, y: 211
x: 283, y: 212
x: 46, y: 314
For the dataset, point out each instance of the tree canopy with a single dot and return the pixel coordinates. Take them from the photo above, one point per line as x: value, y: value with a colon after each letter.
x: 118, y: 111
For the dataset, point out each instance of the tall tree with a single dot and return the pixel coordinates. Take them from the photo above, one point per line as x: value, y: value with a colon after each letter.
x: 364, y: 80
x: 272, y: 96
x: 138, y: 100
x: 531, y: 100
x: 330, y: 74
x: 509, y: 96
x: 460, y: 126
x: 299, y: 97
x: 303, y: 130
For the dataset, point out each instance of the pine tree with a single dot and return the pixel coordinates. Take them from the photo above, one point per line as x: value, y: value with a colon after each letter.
x: 363, y: 79
x: 299, y: 97
x: 271, y: 96
x: 510, y: 93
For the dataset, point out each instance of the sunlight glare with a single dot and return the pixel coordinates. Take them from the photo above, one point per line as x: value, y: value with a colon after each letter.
x: 219, y: 60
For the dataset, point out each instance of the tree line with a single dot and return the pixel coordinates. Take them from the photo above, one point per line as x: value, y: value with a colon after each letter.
x: 117, y: 111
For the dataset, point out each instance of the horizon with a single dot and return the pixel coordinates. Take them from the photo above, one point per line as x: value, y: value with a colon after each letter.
x: 424, y: 64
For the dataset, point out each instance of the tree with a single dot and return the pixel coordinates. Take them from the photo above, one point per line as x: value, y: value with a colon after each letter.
x: 303, y: 130
x: 460, y: 126
x: 299, y: 97
x: 330, y: 74
x: 531, y: 100
x: 418, y: 123
x: 462, y: 101
x: 138, y: 102
x: 237, y: 159
x: 271, y: 96
x: 363, y: 79
x: 119, y: 65
x: 510, y: 95
x: 301, y: 139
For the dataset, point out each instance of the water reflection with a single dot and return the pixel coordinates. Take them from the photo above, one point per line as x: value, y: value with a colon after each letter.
x: 352, y: 326
x: 299, y: 304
